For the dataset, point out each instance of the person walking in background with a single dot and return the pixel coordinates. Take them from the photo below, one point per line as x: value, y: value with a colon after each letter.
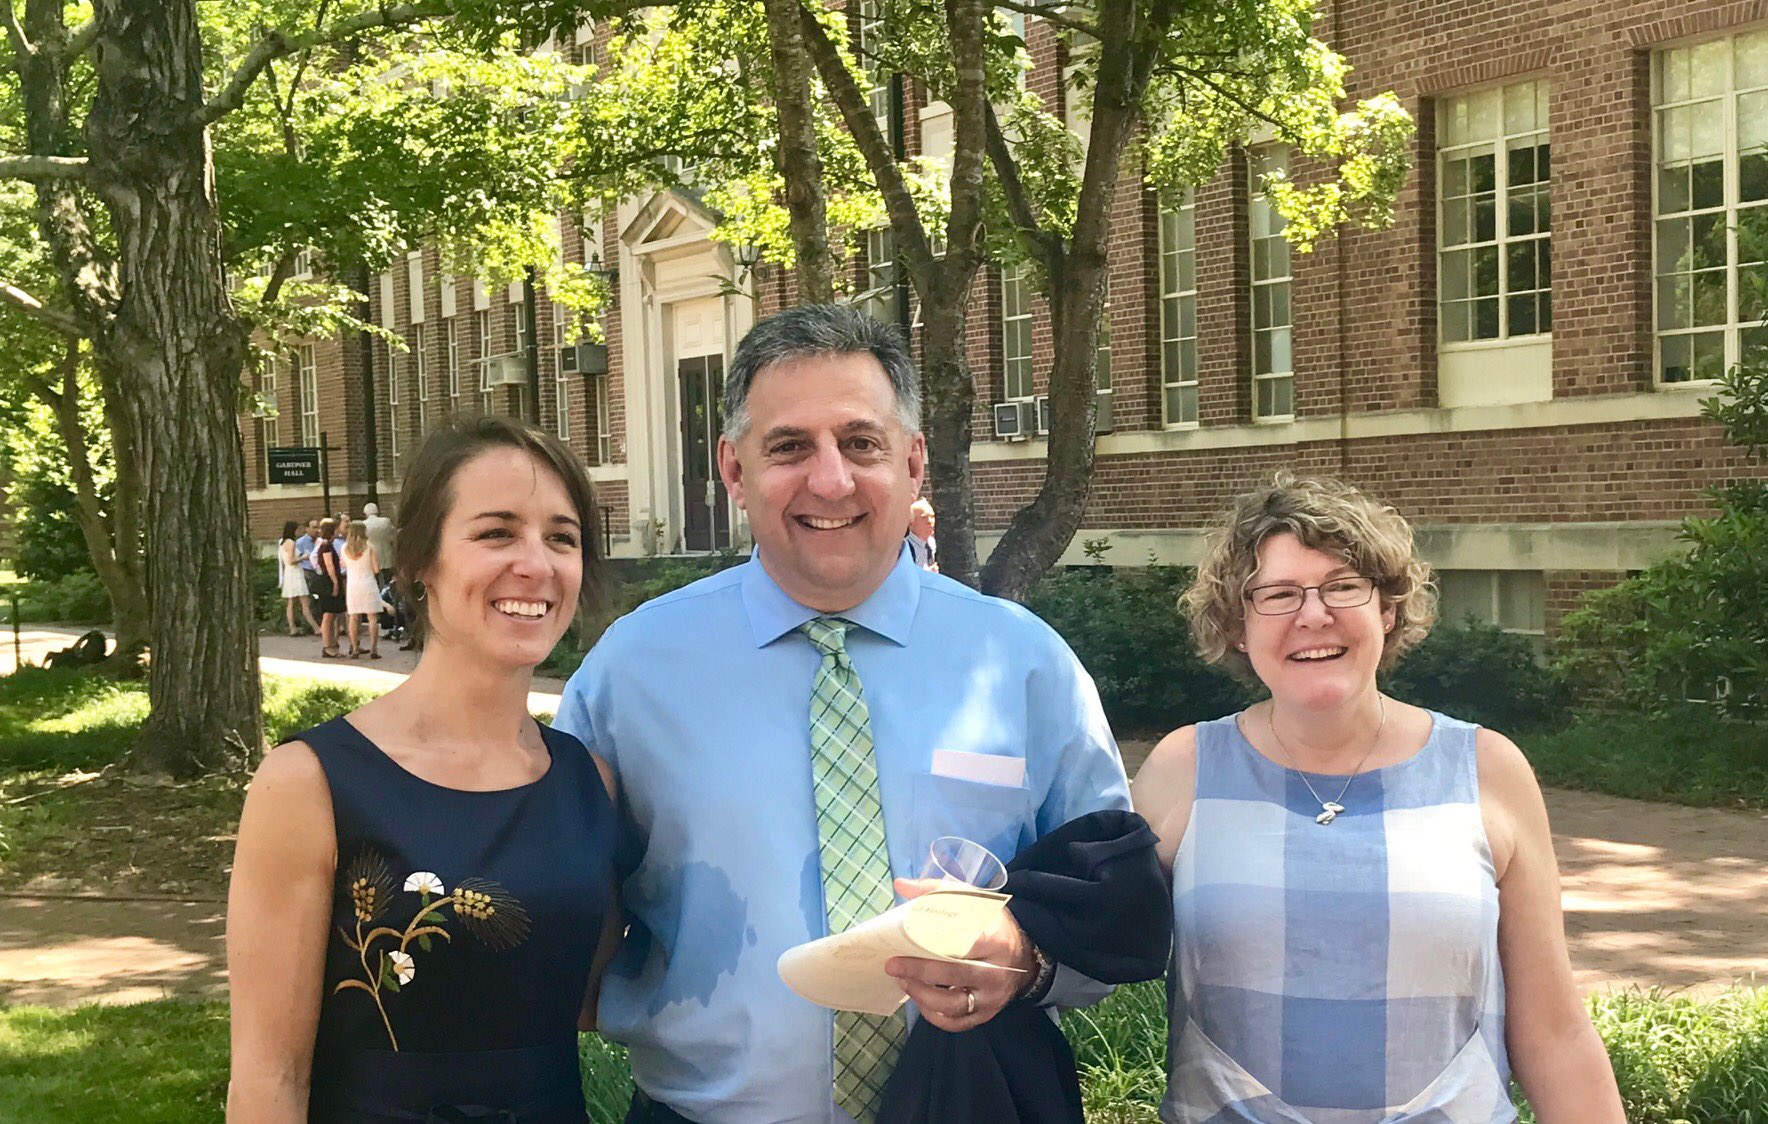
x: 1367, y: 920
x: 422, y: 897
x: 291, y: 579
x: 362, y: 591
x: 331, y: 589
x: 342, y: 534
x: 922, y: 547
x: 380, y: 539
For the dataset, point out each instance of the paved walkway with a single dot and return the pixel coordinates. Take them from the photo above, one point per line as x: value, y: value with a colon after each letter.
x: 1655, y: 894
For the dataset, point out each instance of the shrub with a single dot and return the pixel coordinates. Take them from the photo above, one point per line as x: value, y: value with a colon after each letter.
x: 1694, y: 627
x: 1478, y: 672
x: 1689, y: 755
x: 76, y: 598
x: 1125, y: 626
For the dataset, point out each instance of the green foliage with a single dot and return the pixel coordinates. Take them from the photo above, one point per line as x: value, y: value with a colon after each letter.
x: 1694, y: 627
x: 1125, y: 626
x: 1678, y: 1060
x: 607, y: 1079
x: 1686, y: 1061
x: 49, y: 542
x: 293, y: 705
x: 78, y: 598
x: 1688, y: 755
x: 1480, y: 673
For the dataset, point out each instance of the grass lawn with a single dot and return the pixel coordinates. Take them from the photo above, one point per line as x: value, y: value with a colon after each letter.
x: 1679, y: 1061
x: 83, y: 829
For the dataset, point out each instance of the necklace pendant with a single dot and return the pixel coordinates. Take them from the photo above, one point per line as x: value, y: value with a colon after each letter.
x: 1329, y: 810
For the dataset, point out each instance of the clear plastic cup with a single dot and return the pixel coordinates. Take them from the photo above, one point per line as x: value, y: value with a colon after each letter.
x: 955, y: 859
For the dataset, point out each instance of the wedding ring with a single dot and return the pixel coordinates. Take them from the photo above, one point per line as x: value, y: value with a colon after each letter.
x: 969, y: 1002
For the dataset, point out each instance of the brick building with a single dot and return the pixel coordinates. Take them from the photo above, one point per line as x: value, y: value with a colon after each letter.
x: 1517, y: 362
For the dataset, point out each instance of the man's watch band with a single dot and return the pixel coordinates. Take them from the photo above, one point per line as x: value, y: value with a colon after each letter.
x: 1040, y: 980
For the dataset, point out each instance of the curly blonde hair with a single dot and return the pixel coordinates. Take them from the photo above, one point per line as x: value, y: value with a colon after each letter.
x: 1326, y: 515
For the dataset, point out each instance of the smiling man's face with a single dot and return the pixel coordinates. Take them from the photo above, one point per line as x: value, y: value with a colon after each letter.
x: 826, y: 473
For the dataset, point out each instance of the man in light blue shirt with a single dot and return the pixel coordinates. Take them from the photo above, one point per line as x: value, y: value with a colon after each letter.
x: 983, y: 725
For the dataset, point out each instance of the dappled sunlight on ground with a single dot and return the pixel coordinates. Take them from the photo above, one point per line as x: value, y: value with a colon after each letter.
x: 1658, y: 894
x: 66, y: 951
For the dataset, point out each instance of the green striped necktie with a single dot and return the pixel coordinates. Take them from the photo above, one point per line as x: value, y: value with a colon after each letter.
x: 855, y: 860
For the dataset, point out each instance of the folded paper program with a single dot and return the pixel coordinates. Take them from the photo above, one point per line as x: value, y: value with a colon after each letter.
x: 845, y: 970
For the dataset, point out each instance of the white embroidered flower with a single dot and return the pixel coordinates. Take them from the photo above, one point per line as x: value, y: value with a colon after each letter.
x: 403, y: 966
x: 423, y: 882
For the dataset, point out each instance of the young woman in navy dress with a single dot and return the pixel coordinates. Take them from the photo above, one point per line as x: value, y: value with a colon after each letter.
x: 423, y: 892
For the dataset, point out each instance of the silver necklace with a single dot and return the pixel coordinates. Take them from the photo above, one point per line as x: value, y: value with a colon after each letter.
x: 1329, y: 809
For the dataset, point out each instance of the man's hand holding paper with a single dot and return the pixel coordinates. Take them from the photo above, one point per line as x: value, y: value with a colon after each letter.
x: 954, y: 996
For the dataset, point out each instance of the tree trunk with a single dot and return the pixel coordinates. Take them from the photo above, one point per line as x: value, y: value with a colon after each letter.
x: 800, y: 164
x: 1042, y: 530
x: 174, y: 351
x: 948, y: 397
x: 116, y: 560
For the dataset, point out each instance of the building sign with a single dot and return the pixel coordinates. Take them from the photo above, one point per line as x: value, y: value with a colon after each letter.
x: 294, y: 464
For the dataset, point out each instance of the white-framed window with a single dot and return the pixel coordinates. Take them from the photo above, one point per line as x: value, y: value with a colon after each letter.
x: 1710, y: 132
x: 1273, y: 369
x: 875, y: 79
x: 1494, y: 266
x: 561, y: 381
x: 451, y: 339
x: 307, y: 380
x: 420, y: 371
x: 1015, y: 332
x: 604, y: 421
x: 1178, y: 312
x: 267, y: 413
x: 303, y: 265
x: 881, y: 274
x: 1514, y: 600
x: 524, y: 333
x: 395, y: 423
x: 482, y: 335
x: 1102, y: 370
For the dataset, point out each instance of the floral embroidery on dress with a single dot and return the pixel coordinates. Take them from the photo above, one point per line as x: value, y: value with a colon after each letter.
x: 478, y: 907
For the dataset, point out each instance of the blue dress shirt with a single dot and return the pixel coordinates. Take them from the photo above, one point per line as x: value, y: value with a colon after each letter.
x: 304, y: 550
x: 700, y: 701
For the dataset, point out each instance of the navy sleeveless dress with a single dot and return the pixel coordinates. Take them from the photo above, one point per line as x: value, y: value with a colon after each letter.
x: 463, y: 928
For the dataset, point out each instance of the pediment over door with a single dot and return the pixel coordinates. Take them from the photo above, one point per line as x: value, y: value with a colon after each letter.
x: 668, y: 222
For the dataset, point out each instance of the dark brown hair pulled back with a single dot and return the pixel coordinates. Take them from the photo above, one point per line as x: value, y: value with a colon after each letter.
x: 428, y: 496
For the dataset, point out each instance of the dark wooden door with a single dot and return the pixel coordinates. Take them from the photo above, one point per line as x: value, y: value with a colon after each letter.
x: 706, y: 518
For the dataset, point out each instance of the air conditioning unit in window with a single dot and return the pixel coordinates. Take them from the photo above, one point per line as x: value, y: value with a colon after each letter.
x: 506, y: 370
x: 1043, y: 414
x: 1014, y: 421
x: 584, y: 358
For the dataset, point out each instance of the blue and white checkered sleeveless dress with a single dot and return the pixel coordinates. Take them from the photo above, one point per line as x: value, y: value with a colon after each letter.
x: 1336, y: 974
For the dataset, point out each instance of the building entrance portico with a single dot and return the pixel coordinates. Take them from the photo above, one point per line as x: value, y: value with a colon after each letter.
x: 687, y: 313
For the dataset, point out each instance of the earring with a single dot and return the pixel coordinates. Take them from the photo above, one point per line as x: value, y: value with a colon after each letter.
x: 1240, y: 644
x: 418, y: 589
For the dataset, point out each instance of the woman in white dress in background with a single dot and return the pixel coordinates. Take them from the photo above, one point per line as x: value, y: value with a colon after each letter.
x: 291, y: 580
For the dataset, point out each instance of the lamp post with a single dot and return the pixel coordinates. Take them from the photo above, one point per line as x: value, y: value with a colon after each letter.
x: 748, y: 256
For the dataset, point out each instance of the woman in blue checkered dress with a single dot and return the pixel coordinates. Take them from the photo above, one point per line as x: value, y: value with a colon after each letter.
x: 1367, y: 924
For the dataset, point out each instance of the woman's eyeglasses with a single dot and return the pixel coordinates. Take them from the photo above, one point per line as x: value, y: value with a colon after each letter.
x: 1279, y: 599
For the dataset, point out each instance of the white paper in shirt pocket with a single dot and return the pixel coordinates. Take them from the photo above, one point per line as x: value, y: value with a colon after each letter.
x: 983, y: 768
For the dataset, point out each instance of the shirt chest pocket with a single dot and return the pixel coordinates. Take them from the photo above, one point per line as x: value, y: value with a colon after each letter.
x: 995, y: 815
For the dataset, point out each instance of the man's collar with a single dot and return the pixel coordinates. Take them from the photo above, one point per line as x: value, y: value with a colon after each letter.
x: 889, y: 611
